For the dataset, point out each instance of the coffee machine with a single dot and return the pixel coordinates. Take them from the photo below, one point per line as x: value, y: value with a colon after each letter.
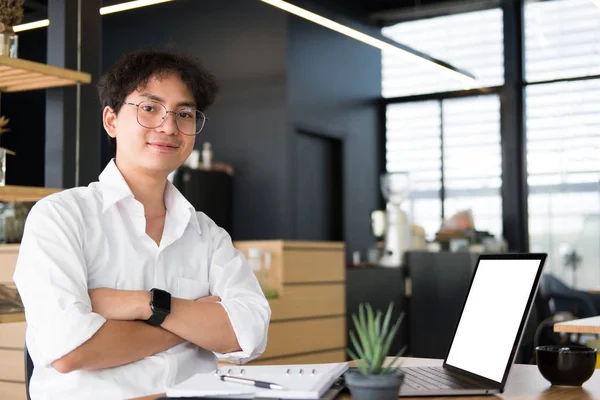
x: 398, y: 236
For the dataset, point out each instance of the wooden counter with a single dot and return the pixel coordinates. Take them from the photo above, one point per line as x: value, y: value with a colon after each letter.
x: 12, y: 317
x: 584, y: 325
x: 310, y: 278
x: 12, y: 334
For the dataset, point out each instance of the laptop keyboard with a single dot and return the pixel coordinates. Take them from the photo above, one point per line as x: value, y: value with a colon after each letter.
x: 431, y: 378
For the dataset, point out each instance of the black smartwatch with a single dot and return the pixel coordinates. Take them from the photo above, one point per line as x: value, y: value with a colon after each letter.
x: 160, y: 304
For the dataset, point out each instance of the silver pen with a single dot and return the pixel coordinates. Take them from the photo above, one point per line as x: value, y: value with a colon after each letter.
x: 252, y: 382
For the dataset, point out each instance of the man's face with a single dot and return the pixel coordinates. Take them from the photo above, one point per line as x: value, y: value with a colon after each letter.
x: 161, y: 149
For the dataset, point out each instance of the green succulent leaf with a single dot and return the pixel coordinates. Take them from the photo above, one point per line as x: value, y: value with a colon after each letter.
x: 372, y: 339
x: 392, y: 334
x: 378, y: 359
x: 391, y: 367
x: 370, y: 323
x: 378, y: 324
x: 360, y: 364
x: 386, y: 320
x: 360, y: 331
x: 356, y: 345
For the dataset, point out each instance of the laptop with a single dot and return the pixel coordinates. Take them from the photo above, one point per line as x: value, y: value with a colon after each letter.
x: 488, y: 332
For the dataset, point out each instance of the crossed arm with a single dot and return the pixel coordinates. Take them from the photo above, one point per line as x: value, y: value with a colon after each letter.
x: 124, y: 338
x: 51, y: 276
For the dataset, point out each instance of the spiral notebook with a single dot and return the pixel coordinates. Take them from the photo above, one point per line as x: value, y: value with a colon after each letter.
x: 301, y: 381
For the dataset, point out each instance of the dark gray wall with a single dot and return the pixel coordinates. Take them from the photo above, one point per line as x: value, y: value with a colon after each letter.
x: 244, y: 44
x: 334, y: 83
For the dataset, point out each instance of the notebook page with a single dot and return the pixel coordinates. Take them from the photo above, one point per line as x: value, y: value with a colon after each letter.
x: 306, y: 381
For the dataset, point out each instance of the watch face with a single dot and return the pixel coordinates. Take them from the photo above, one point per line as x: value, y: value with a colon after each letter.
x: 161, y: 301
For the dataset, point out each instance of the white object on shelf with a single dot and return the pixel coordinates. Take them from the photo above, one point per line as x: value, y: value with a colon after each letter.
x: 193, y: 161
x: 207, y: 155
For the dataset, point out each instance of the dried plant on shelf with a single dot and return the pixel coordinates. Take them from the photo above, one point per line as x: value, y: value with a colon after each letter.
x: 3, y: 129
x: 11, y: 14
x: 3, y: 123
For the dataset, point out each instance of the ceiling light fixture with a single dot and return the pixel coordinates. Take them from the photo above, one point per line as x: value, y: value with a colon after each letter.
x: 129, y: 6
x: 103, y: 11
x: 31, y: 25
x: 382, y: 43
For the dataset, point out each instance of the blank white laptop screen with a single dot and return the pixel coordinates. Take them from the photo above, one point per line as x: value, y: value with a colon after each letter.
x: 491, y: 317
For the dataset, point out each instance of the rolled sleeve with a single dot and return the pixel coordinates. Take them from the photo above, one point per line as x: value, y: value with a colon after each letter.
x: 251, y: 333
x: 232, y: 279
x: 51, y: 278
x: 69, y: 330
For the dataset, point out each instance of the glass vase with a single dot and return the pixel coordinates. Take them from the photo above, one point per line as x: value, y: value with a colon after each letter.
x: 9, y: 44
x: 2, y: 166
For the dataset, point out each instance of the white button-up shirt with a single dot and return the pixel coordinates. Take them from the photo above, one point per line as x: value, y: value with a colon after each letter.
x: 95, y: 237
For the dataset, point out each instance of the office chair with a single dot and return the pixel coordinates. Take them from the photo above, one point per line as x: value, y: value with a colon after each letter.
x: 28, y: 371
x: 562, y: 298
x: 539, y: 328
x: 554, y: 302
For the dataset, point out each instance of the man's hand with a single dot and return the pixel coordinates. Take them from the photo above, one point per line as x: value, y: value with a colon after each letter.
x: 124, y: 305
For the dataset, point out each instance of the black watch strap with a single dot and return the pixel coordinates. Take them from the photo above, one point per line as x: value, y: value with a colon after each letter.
x: 156, y: 319
x: 160, y: 304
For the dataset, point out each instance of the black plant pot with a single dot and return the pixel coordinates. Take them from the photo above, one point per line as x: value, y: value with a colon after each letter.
x: 373, y: 387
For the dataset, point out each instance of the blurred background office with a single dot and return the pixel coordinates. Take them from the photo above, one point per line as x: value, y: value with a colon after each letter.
x: 292, y: 89
x: 319, y: 137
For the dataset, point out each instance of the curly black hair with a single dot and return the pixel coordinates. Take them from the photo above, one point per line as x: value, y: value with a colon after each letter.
x: 133, y: 70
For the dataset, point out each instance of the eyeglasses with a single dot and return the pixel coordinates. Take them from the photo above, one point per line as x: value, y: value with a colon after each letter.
x: 151, y: 114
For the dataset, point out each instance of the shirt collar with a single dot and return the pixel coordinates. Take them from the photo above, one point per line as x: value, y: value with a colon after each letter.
x: 113, y: 185
x: 115, y: 188
x: 180, y: 207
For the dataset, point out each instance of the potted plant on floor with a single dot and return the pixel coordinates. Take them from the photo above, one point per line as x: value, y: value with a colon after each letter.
x: 373, y: 379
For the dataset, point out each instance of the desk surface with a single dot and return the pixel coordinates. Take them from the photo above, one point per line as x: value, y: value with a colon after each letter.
x: 524, y: 383
x: 584, y: 325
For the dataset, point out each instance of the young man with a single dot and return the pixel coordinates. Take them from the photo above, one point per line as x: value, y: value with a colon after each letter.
x: 127, y: 289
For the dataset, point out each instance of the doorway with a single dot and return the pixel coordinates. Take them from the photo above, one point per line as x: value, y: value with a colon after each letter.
x: 319, y: 187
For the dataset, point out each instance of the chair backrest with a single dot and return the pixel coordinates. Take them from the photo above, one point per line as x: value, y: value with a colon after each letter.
x: 564, y: 298
x: 28, y: 371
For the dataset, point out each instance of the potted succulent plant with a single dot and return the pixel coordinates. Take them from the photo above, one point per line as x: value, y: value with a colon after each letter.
x: 11, y: 14
x: 373, y: 378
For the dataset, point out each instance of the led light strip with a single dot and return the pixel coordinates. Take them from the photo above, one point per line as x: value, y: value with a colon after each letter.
x: 466, y: 80
x: 103, y: 11
x: 31, y: 25
x: 129, y: 6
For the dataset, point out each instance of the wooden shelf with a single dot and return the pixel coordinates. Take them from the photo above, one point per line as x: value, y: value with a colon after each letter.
x: 25, y: 193
x: 12, y: 317
x: 18, y: 75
